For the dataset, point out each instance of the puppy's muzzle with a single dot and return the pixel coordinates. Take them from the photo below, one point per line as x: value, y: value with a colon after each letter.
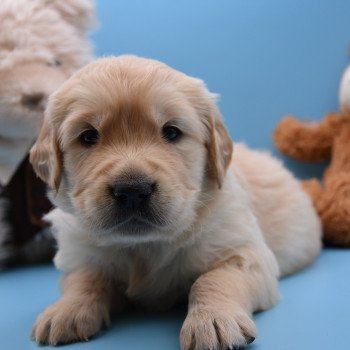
x: 137, y: 204
x: 133, y: 193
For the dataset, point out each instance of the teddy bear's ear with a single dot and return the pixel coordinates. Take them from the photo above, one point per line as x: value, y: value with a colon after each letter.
x: 46, y: 156
x: 78, y: 13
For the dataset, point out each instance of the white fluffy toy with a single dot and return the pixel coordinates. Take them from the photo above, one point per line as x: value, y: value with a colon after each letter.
x: 344, y: 92
x: 42, y: 42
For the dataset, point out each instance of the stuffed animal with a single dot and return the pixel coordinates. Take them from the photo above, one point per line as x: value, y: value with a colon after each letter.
x: 42, y: 42
x: 344, y: 91
x: 317, y: 141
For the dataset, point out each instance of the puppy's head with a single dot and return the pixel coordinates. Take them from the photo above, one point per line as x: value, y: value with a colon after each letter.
x: 130, y: 146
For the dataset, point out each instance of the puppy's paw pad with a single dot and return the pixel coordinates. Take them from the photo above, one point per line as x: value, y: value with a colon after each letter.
x: 66, y: 322
x: 214, y: 329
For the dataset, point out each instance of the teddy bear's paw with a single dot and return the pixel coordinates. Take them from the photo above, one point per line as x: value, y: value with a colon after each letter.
x: 216, y: 329
x: 334, y: 210
x: 285, y: 135
x: 68, y: 321
x: 313, y: 188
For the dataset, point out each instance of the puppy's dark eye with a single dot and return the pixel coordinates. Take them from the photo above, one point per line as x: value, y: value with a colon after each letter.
x: 171, y: 133
x: 89, y: 137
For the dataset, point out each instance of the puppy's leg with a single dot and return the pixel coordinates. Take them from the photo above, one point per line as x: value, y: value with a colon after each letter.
x: 80, y: 313
x: 221, y: 303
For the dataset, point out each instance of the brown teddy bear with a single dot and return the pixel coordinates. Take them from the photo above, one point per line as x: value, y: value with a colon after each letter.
x: 328, y: 139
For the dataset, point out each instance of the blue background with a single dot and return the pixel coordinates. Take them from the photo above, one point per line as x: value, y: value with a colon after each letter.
x: 266, y: 58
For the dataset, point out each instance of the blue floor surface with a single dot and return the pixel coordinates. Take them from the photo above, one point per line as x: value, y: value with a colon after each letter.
x: 312, y: 314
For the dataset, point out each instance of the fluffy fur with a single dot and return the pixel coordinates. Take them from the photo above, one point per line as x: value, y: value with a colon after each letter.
x: 42, y: 42
x: 219, y: 231
x: 328, y: 139
x: 344, y: 90
x: 35, y: 64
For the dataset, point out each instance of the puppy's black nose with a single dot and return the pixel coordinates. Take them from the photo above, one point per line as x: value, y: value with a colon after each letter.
x: 133, y: 193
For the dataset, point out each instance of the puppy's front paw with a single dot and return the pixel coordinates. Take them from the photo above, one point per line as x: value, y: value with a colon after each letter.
x: 216, y: 329
x: 69, y: 320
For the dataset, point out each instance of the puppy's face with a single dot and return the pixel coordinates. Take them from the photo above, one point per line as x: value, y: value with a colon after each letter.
x: 130, y: 145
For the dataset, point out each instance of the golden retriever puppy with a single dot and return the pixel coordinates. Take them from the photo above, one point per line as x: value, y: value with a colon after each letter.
x: 153, y: 209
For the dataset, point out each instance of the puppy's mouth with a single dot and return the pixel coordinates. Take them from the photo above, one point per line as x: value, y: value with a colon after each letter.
x: 137, y: 223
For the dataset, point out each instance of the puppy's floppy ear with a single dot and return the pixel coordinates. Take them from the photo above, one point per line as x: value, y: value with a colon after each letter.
x: 218, y: 142
x: 219, y: 145
x: 46, y: 155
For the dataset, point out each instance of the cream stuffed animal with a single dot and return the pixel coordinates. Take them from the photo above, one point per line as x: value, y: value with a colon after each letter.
x: 42, y: 42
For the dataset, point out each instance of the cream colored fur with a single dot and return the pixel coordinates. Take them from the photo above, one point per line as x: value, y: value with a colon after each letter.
x: 230, y: 228
x: 42, y: 42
